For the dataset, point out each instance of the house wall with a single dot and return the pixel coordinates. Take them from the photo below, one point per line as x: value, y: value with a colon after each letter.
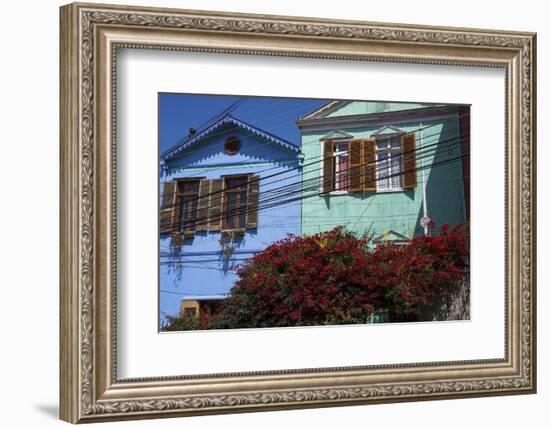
x: 399, y: 211
x: 363, y: 107
x: 198, y: 269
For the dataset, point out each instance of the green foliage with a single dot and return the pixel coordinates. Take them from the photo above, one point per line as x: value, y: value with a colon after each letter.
x: 185, y: 322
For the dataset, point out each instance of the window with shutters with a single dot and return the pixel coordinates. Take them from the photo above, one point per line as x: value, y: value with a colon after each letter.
x: 347, y: 166
x: 235, y: 202
x: 227, y: 203
x: 369, y: 165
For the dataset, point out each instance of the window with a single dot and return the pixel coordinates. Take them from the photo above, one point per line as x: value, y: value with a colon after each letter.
x: 190, y: 311
x: 235, y: 203
x: 389, y: 164
x: 190, y: 308
x: 228, y: 203
x: 188, y: 201
x: 369, y: 165
x: 341, y: 169
x: 232, y: 145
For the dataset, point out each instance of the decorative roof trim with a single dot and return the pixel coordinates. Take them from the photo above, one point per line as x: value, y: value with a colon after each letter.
x: 223, y: 121
x: 393, y: 129
x: 337, y: 134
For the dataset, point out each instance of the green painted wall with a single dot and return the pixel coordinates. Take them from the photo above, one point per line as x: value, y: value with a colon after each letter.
x: 392, y: 211
x: 364, y: 107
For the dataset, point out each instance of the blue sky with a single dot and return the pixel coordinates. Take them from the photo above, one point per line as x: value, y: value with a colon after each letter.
x: 179, y: 112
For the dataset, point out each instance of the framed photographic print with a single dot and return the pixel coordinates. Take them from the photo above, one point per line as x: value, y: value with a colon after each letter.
x: 267, y: 212
x: 326, y: 217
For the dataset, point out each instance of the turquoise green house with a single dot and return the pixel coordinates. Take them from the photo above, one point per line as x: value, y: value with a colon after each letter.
x: 385, y: 169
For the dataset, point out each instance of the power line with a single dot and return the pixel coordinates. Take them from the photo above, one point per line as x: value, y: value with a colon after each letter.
x: 205, y: 125
x: 424, y: 147
x: 284, y: 196
x: 284, y: 199
x: 283, y: 192
x: 275, y: 167
x: 227, y: 111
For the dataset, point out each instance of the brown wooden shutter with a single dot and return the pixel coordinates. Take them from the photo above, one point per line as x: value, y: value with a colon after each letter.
x: 167, y: 209
x: 369, y: 165
x: 408, y: 147
x: 355, y: 172
x: 328, y: 166
x: 215, y: 206
x: 253, y: 198
x: 203, y: 205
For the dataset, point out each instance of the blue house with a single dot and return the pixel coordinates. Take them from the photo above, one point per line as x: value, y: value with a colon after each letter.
x: 218, y: 190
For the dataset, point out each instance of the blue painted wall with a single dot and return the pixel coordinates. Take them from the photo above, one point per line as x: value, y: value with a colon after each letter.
x: 198, y: 270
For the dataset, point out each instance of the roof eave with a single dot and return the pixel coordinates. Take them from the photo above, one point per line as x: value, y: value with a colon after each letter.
x: 373, y: 118
x: 182, y: 146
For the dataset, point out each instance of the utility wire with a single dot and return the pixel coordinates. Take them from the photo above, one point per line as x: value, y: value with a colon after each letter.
x: 283, y: 199
x: 276, y: 193
x: 263, y: 178
x: 275, y: 167
x: 284, y: 196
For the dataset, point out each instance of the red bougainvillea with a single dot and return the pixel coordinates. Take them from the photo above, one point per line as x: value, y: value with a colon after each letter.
x: 336, y: 278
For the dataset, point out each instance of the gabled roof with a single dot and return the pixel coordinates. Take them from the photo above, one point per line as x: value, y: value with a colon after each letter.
x: 226, y: 120
x: 325, y: 109
x: 344, y: 115
x: 368, y: 107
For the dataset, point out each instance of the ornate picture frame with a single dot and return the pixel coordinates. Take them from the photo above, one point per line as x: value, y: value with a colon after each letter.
x: 90, y: 37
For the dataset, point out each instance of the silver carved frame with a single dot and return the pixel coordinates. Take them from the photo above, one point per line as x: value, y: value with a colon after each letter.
x: 90, y: 36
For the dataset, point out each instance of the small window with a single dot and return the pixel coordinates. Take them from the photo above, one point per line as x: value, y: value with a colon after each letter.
x: 190, y: 311
x: 389, y: 170
x: 235, y: 203
x: 232, y: 145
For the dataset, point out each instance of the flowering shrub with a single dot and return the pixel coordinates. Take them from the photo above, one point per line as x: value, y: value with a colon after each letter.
x: 422, y: 274
x: 334, y: 277
x: 307, y: 280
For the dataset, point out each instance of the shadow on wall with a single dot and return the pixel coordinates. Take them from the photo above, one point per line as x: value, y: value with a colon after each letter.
x: 444, y: 186
x: 229, y: 243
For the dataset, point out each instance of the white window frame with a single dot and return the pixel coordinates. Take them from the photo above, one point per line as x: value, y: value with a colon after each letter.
x: 336, y: 141
x: 391, y: 150
x: 336, y: 165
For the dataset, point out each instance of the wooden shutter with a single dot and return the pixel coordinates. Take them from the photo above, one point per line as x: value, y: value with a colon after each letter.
x: 253, y: 198
x: 369, y: 165
x: 355, y: 172
x: 203, y: 205
x: 328, y: 166
x: 168, y: 207
x: 215, y: 206
x: 408, y: 147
